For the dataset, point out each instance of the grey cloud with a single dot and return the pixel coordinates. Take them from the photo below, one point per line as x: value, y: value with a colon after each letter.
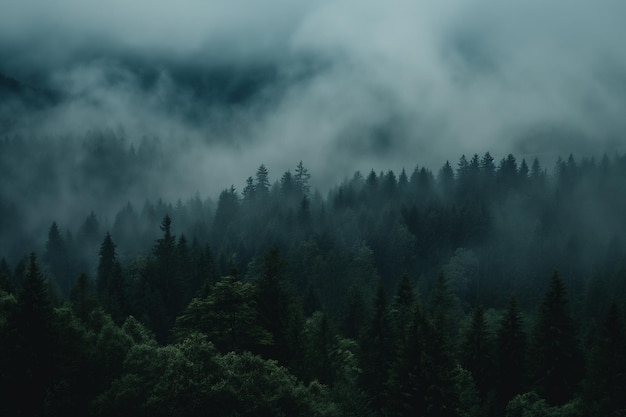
x: 342, y: 85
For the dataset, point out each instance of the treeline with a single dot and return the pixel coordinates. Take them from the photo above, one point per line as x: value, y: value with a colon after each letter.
x: 408, y: 294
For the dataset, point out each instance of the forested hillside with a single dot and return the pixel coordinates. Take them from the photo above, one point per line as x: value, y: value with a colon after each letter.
x: 485, y: 288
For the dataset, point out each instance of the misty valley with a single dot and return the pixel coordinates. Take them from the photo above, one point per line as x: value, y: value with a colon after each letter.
x: 485, y: 288
x: 313, y: 208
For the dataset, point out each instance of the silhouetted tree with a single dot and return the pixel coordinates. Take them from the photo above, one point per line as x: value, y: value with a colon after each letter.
x: 110, y: 285
x: 302, y: 178
x: 376, y: 352
x: 511, y: 355
x: 262, y: 184
x: 556, y: 357
x: 477, y: 351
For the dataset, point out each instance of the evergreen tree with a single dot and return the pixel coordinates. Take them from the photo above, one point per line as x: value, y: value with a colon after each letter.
x: 262, y: 184
x: 110, y: 285
x: 248, y: 191
x: 185, y: 270
x: 607, y: 367
x: 56, y: 258
x: 274, y: 305
x: 226, y: 214
x: 36, y: 344
x: 288, y: 184
x: 511, y: 355
x: 227, y: 316
x: 320, y: 346
x: 422, y: 380
x: 445, y: 180
x: 557, y: 359
x: 389, y: 184
x: 403, y: 181
x: 82, y: 301
x: 354, y: 314
x: 6, y: 283
x: 301, y: 178
x: 90, y: 229
x: 376, y: 352
x: 477, y: 352
x: 166, y: 283
x: 443, y: 303
x: 402, y: 310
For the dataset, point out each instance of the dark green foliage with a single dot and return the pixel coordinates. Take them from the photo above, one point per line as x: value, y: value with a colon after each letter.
x: 355, y: 314
x: 311, y: 304
x: 57, y: 259
x: 320, y: 346
x: 606, y: 382
x: 82, y: 298
x: 6, y: 282
x: 190, y: 378
x: 274, y: 303
x: 302, y: 178
x: 376, y: 352
x: 228, y: 316
x: 262, y: 183
x: 402, y: 311
x: 556, y: 356
x: 511, y: 353
x: 33, y: 341
x: 477, y: 352
x: 110, y: 285
x: 422, y: 380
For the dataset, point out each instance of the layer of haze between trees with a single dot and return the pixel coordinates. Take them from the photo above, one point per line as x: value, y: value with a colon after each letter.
x: 341, y: 85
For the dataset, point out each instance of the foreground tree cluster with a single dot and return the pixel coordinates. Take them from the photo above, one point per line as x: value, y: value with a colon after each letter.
x: 420, y: 294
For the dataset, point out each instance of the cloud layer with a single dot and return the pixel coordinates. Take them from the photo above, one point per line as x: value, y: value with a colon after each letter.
x: 341, y: 85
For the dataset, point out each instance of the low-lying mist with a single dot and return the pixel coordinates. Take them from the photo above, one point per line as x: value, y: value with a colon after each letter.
x: 222, y: 87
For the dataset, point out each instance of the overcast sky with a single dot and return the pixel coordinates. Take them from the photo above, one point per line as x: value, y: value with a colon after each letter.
x: 342, y: 85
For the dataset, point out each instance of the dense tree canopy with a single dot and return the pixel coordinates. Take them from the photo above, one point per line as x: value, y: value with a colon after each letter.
x: 393, y: 295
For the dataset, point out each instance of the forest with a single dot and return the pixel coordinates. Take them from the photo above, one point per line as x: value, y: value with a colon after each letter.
x: 484, y: 288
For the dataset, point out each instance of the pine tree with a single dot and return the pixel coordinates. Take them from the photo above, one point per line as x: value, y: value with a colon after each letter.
x: 35, y: 325
x: 422, y: 379
x: 166, y: 283
x: 477, y: 351
x: 262, y: 185
x: 226, y: 214
x: 510, y: 355
x: 402, y: 310
x: 248, y: 191
x: 320, y: 348
x: 557, y: 360
x: 274, y: 303
x: 288, y: 184
x: 6, y: 283
x: 376, y: 352
x: 80, y: 297
x: 355, y: 313
x: 302, y: 177
x: 56, y: 259
x: 105, y: 267
x: 110, y: 285
x: 607, y: 366
x: 445, y: 180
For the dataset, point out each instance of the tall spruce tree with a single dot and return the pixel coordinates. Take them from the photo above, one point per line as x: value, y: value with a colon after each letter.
x: 376, y: 352
x: 510, y: 355
x: 477, y: 351
x: 274, y: 305
x: 607, y: 367
x: 557, y: 359
x: 110, y: 286
x: 166, y: 281
x: 36, y: 341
